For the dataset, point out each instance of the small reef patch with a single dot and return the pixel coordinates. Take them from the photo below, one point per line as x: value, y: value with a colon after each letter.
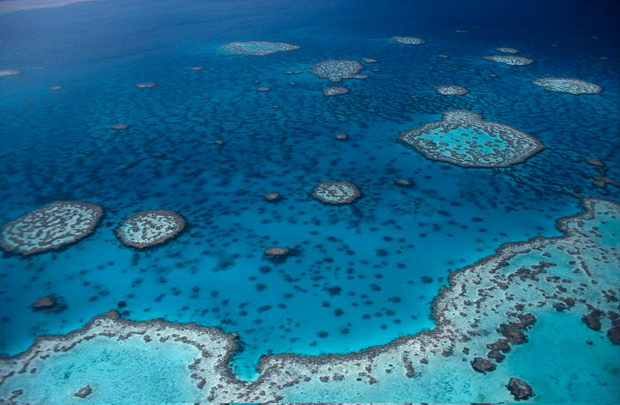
x: 408, y: 40
x: 464, y: 139
x: 570, y: 86
x: 336, y: 193
x: 510, y: 60
x: 50, y: 227
x: 146, y: 85
x: 337, y: 70
x: 258, y: 48
x: 507, y: 50
x: 9, y: 72
x: 451, y: 90
x: 150, y: 228
x: 335, y: 91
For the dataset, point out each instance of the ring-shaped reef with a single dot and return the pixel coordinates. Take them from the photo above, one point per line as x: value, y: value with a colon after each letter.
x: 464, y: 139
x: 150, y: 228
x: 258, y: 48
x: 50, y: 227
x: 570, y: 86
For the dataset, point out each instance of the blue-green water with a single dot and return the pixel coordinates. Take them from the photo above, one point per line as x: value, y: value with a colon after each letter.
x: 364, y: 274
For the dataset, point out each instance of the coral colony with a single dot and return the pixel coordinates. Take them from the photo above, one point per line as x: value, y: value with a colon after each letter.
x: 461, y: 261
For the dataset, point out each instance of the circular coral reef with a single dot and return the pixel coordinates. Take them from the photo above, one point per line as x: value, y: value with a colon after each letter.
x: 408, y: 40
x: 510, y: 60
x: 50, y: 227
x: 335, y: 91
x: 571, y: 86
x: 150, y: 228
x: 336, y: 193
x: 9, y: 72
x: 259, y: 48
x: 336, y: 70
x: 451, y: 90
x: 464, y: 139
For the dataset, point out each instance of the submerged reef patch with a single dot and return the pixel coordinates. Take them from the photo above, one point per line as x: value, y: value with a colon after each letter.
x: 510, y: 60
x: 50, y: 227
x: 451, y: 90
x: 146, y: 85
x: 507, y: 50
x: 408, y: 40
x: 150, y: 228
x: 337, y: 70
x: 571, y: 86
x: 258, y: 48
x: 488, y: 308
x: 335, y: 91
x: 9, y: 72
x: 336, y: 193
x: 464, y: 139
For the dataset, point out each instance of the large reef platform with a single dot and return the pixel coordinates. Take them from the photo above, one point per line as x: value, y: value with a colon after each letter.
x: 464, y: 139
x: 484, y: 319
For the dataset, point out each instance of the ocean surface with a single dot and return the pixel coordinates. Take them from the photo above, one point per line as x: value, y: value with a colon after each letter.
x: 362, y: 274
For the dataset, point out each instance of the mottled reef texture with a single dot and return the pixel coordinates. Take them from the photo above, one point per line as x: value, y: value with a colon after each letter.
x: 487, y: 309
x: 510, y: 60
x: 150, y: 228
x: 258, y: 48
x: 570, y: 86
x: 50, y: 227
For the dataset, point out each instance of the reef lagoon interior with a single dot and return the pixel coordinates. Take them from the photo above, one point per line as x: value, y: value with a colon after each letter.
x: 265, y: 200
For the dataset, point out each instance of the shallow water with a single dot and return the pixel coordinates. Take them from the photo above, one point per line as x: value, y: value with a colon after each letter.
x: 361, y: 275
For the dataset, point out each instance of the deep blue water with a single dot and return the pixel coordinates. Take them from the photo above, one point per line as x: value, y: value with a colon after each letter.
x: 59, y: 146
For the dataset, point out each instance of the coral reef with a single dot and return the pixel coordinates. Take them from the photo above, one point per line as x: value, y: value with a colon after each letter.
x: 335, y: 91
x: 510, y: 60
x: 150, y: 228
x: 571, y: 86
x: 507, y: 50
x: 451, y: 90
x: 50, y: 227
x: 408, y: 40
x: 258, y: 48
x: 337, y: 70
x: 464, y: 139
x: 490, y: 305
x: 336, y: 193
x: 9, y: 72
